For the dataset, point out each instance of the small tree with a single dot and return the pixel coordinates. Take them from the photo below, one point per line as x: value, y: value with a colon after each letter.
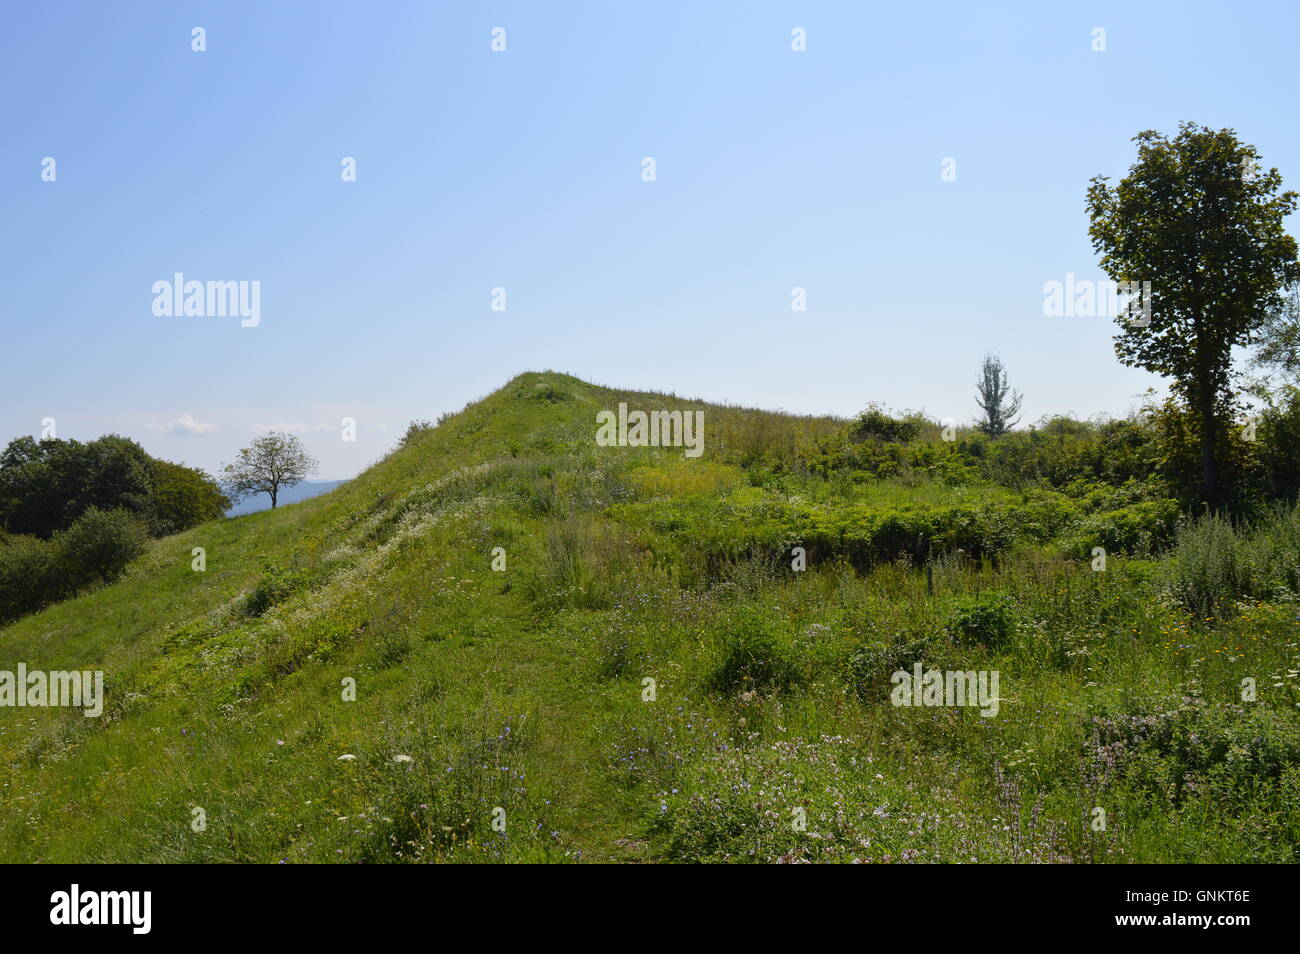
x: 996, y: 399
x: 100, y: 544
x: 273, y: 462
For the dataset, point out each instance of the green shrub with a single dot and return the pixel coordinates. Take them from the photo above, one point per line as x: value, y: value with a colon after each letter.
x: 752, y: 656
x: 1229, y: 752
x: 100, y: 544
x: 988, y: 619
x: 45, y: 486
x: 28, y: 575
x: 1272, y: 550
x: 877, y: 423
x: 96, y: 548
x: 871, y: 665
x: 391, y: 649
x: 274, y: 586
x: 1278, y: 447
x: 1206, y: 574
x: 414, y: 430
x: 182, y: 497
x: 1144, y: 527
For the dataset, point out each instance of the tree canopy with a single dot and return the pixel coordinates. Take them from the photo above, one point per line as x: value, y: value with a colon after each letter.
x: 273, y: 462
x: 996, y: 399
x: 45, y: 486
x: 1198, y: 219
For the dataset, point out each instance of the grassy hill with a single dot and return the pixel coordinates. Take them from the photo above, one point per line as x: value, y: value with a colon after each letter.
x: 524, y: 689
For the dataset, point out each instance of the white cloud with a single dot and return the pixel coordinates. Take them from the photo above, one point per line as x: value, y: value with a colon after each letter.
x: 291, y: 427
x: 185, y: 424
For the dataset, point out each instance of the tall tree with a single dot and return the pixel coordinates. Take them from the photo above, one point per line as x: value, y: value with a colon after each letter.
x: 996, y: 399
x: 1199, y: 220
x: 273, y: 462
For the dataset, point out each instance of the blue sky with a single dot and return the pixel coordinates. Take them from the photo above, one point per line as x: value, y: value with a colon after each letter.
x: 522, y: 169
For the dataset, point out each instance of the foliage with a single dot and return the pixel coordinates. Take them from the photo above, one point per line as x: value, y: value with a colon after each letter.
x: 273, y: 462
x: 182, y: 497
x: 29, y: 576
x: 876, y: 423
x: 413, y: 430
x: 753, y: 657
x: 274, y: 586
x: 1277, y: 446
x: 996, y: 399
x: 988, y: 620
x: 95, y: 549
x: 1196, y: 220
x: 101, y: 543
x: 46, y: 485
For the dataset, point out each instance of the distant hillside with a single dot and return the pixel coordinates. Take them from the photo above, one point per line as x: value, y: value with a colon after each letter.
x: 303, y: 491
x: 508, y: 641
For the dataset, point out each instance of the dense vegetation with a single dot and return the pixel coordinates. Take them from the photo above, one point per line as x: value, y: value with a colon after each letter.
x: 1123, y: 684
x: 74, y: 515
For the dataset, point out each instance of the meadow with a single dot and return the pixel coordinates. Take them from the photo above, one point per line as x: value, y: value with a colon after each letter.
x: 682, y: 660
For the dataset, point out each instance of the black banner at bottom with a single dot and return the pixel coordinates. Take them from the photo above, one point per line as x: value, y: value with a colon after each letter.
x: 138, y: 904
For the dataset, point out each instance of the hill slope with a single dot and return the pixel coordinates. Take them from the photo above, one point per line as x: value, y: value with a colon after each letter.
x: 506, y: 714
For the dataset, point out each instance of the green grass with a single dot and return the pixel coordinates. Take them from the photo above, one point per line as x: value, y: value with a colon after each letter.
x: 526, y: 691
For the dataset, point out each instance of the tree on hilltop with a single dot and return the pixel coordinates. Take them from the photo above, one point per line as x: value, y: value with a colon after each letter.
x: 273, y: 462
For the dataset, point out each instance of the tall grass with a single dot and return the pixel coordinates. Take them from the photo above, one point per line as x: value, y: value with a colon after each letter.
x: 1215, y: 562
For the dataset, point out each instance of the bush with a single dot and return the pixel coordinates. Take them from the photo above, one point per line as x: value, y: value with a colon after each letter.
x: 988, y: 620
x: 182, y: 497
x: 1177, y: 450
x: 274, y: 586
x: 1272, y: 550
x: 45, y: 486
x: 96, y: 548
x: 415, y: 429
x: 1226, y: 752
x: 1145, y: 527
x: 1206, y: 575
x: 752, y: 656
x: 1278, y: 447
x: 100, y: 544
x: 28, y: 579
x: 875, y: 422
x: 871, y: 665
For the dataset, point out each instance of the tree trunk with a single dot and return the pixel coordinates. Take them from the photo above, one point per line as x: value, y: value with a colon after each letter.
x: 273, y: 496
x: 1204, y: 404
x: 1209, y: 442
